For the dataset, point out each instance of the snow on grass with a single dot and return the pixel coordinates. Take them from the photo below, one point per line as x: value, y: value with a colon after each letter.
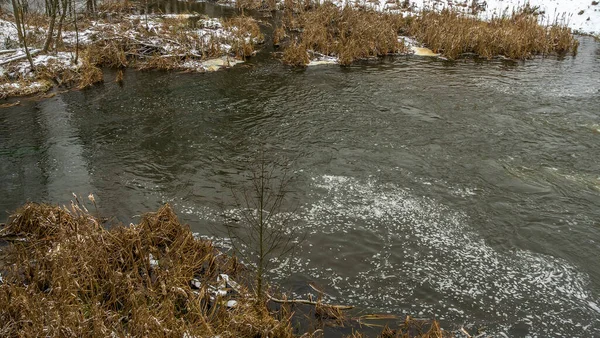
x: 8, y: 35
x: 210, y: 65
x: 158, y: 30
x: 579, y: 15
x: 22, y: 88
x: 186, y: 42
x: 567, y: 11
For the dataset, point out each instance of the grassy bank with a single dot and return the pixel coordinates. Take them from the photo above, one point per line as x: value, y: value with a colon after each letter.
x: 121, y: 40
x: 515, y: 36
x: 355, y: 32
x: 303, y: 30
x: 63, y: 274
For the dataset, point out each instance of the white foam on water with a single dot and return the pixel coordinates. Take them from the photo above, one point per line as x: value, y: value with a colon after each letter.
x: 429, y: 261
x: 426, y: 246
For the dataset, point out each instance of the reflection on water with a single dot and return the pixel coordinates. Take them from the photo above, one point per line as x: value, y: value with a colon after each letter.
x: 66, y: 166
x: 176, y: 7
x: 463, y: 191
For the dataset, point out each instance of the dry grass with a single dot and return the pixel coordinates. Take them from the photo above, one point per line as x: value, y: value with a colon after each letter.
x: 518, y: 36
x: 355, y: 33
x: 83, y: 76
x: 23, y: 87
x: 172, y: 44
x: 411, y: 328
x: 67, y: 276
x: 246, y: 33
x: 350, y: 34
x: 295, y: 55
x: 88, y: 73
x: 168, y: 44
x: 278, y: 36
x: 109, y: 53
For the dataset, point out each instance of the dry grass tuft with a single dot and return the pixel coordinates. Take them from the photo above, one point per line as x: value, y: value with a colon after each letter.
x: 416, y: 328
x: 517, y: 36
x: 350, y: 34
x: 65, y: 275
x: 355, y: 32
x: 295, y: 55
x: 246, y: 34
x: 89, y: 73
x: 109, y: 53
x: 23, y: 87
x: 83, y: 76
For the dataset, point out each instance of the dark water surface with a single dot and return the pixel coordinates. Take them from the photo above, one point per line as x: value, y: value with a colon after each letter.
x: 468, y: 192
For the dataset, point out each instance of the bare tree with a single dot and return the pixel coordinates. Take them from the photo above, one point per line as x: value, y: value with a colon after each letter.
x: 74, y: 14
x: 262, y: 228
x: 64, y: 5
x: 92, y: 6
x: 52, y: 7
x: 19, y: 12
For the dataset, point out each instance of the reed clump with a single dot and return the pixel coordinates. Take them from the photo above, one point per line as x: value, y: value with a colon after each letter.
x: 348, y: 33
x: 515, y: 36
x: 296, y: 55
x: 23, y: 87
x: 246, y: 35
x: 414, y: 328
x: 64, y: 274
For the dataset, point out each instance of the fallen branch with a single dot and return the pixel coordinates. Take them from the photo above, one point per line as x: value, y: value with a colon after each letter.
x: 8, y: 105
x: 308, y: 302
x: 19, y: 57
x: 8, y: 51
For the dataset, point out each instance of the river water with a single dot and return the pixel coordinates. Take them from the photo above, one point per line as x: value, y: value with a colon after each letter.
x: 467, y: 192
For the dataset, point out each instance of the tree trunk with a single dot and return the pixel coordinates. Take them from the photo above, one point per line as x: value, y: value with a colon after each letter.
x: 19, y: 20
x: 91, y: 7
x: 76, y: 31
x: 64, y: 7
x: 52, y: 10
x: 15, y: 5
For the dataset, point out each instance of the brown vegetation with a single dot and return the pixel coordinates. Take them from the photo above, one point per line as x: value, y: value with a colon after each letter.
x: 167, y: 43
x: 296, y: 55
x: 22, y: 87
x: 355, y: 33
x: 171, y: 44
x: 246, y: 33
x: 65, y: 275
x: 348, y: 33
x: 518, y: 36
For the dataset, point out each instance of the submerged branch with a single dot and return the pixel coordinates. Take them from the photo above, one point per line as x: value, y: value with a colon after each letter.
x: 308, y: 302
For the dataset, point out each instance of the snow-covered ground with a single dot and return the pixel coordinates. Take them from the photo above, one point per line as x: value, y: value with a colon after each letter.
x: 161, y: 34
x: 8, y: 35
x: 580, y: 15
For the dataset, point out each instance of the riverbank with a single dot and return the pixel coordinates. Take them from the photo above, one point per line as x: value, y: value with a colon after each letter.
x: 117, y: 39
x: 64, y: 274
x: 303, y: 34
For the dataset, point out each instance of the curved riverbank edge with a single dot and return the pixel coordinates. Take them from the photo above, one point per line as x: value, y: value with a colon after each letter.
x: 64, y: 272
x: 180, y: 42
x: 327, y: 33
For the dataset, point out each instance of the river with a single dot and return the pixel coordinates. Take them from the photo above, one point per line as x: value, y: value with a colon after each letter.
x: 467, y: 192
